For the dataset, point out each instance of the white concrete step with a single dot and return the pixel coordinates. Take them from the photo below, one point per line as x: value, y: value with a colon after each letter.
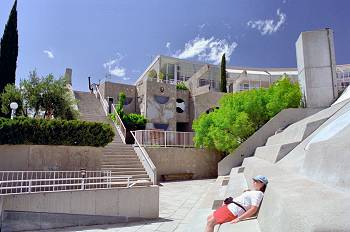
x: 119, y: 156
x: 246, y: 226
x: 119, y: 163
x: 274, y: 153
x: 196, y: 219
x: 124, y: 169
x: 134, y: 165
x: 237, y: 183
x: 130, y: 173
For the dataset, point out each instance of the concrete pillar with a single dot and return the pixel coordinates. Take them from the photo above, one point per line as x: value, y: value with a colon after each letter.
x: 317, y: 67
x: 68, y: 75
x: 1, y: 203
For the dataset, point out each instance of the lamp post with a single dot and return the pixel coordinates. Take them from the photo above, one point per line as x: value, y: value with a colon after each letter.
x: 13, y: 107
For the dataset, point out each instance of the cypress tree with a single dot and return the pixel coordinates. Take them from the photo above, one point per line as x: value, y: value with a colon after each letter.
x: 223, y: 82
x: 9, y: 50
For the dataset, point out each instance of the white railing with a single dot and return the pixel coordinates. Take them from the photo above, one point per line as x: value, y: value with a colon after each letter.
x: 21, y: 182
x: 146, y: 160
x: 164, y: 138
x: 119, y: 125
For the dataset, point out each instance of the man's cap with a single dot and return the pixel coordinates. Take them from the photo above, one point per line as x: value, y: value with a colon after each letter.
x: 262, y: 179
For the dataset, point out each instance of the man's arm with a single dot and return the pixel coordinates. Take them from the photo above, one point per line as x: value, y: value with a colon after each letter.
x: 250, y: 212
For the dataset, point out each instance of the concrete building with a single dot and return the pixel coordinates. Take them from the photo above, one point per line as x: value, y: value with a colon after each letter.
x: 317, y: 67
x: 155, y: 95
x: 167, y: 108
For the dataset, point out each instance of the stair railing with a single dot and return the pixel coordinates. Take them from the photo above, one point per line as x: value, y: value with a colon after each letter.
x: 146, y: 160
x: 119, y: 125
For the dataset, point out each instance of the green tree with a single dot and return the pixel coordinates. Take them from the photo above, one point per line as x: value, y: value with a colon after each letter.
x: 11, y: 94
x: 283, y: 94
x: 223, y: 82
x: 55, y: 98
x: 32, y: 91
x: 9, y: 50
x: 242, y: 113
x: 120, y: 104
x: 49, y: 95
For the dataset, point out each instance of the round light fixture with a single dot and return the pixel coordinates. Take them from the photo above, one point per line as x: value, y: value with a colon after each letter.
x: 13, y: 105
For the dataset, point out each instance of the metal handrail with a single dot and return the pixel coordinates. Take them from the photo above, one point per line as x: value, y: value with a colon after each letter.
x: 54, y: 185
x: 148, y: 164
x: 119, y: 125
x: 165, y: 138
x: 120, y: 122
x: 102, y: 100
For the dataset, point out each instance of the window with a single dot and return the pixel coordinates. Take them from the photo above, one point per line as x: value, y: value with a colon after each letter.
x: 212, y: 84
x: 243, y: 86
x: 170, y: 72
x: 203, y: 82
x: 180, y: 105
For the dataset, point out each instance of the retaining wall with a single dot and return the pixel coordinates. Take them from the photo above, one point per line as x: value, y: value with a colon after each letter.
x: 49, y: 158
x: 83, y: 207
x: 202, y: 163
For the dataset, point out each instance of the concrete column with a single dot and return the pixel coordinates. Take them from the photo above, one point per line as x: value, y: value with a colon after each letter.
x: 317, y: 67
x: 1, y: 203
x: 68, y: 75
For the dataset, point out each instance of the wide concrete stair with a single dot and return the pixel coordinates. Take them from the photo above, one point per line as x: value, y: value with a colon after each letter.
x: 119, y: 158
x: 309, y: 183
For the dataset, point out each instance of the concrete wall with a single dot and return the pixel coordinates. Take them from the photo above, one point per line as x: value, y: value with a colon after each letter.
x: 160, y: 113
x: 111, y: 89
x: 185, y: 96
x: 49, y: 158
x: 205, y: 101
x: 259, y: 138
x: 138, y: 202
x: 202, y: 163
x: 317, y: 67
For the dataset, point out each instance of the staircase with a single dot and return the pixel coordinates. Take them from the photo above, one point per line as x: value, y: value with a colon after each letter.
x: 118, y: 157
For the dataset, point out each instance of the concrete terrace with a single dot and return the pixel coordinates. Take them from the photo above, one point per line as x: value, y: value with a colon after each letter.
x: 177, y: 200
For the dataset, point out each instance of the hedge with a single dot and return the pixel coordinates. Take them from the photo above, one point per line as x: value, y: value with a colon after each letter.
x: 54, y: 132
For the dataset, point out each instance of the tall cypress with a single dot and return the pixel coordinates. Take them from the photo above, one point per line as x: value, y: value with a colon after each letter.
x: 9, y: 50
x: 223, y: 82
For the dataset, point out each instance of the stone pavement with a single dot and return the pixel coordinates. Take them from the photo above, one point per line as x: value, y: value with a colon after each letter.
x: 177, y: 199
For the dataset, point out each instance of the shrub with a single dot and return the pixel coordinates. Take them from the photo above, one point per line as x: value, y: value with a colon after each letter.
x: 134, y: 121
x: 242, y: 113
x: 54, y: 132
x: 152, y: 74
x: 181, y: 86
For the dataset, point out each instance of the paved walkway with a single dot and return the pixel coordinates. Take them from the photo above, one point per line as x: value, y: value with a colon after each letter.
x: 177, y: 199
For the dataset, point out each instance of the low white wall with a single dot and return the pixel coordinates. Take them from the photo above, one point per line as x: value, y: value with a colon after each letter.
x: 49, y: 158
x: 202, y: 163
x: 130, y: 202
x: 259, y: 138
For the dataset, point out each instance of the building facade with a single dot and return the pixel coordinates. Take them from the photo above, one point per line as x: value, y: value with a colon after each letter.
x: 155, y: 95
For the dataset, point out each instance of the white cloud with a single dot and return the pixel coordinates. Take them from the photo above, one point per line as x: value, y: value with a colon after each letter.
x: 117, y: 71
x: 114, y: 68
x: 208, y: 50
x: 201, y: 26
x: 135, y: 71
x: 49, y: 54
x: 168, y: 45
x: 268, y: 26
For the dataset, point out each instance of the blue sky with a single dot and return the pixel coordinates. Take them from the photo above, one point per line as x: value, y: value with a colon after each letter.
x: 121, y: 37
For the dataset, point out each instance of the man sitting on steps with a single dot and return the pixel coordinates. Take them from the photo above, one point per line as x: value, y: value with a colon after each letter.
x: 241, y: 207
